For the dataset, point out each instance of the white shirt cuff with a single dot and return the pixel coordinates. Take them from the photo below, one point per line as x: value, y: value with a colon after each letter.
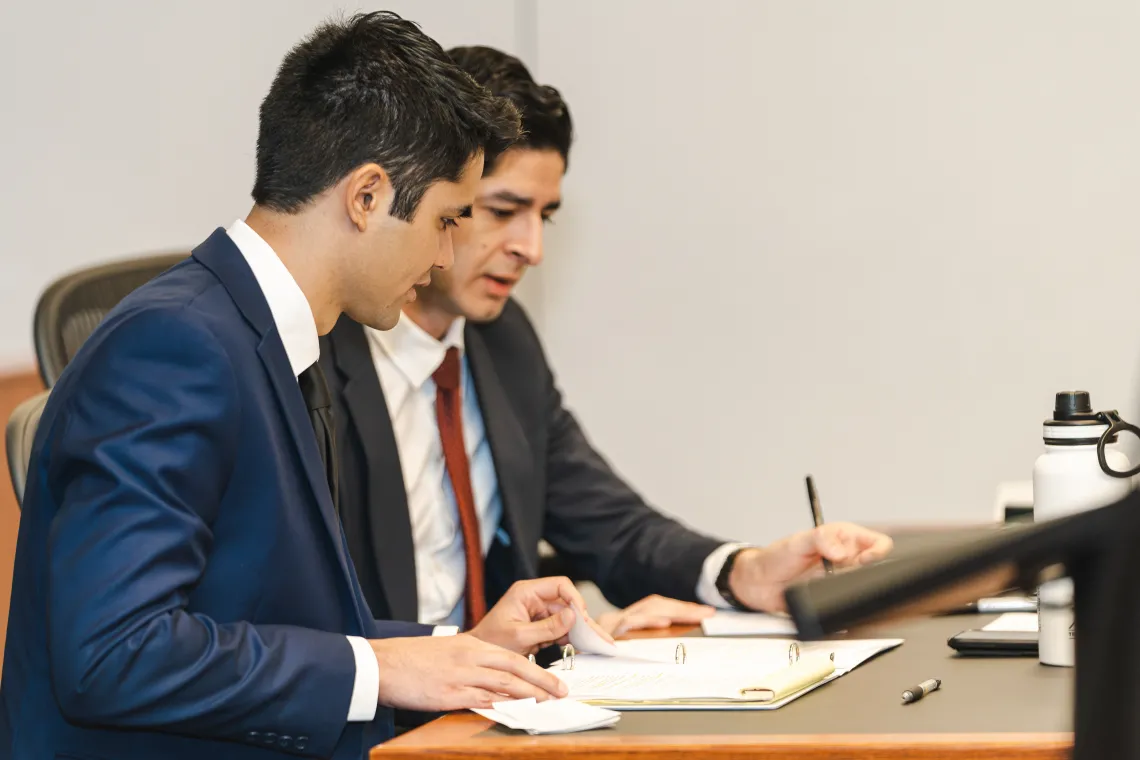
x: 714, y: 563
x: 445, y: 630
x: 366, y: 689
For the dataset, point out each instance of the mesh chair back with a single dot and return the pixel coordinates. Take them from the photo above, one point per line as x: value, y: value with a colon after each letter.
x: 73, y: 306
x: 20, y: 434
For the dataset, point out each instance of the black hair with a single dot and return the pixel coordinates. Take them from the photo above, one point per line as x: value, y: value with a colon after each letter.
x: 545, y: 116
x: 373, y: 88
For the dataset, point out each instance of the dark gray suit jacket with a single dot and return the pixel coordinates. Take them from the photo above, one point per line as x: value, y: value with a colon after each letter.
x: 553, y: 484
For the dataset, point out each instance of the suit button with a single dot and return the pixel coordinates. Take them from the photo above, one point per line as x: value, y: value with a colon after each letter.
x: 285, y: 741
x: 253, y: 736
x: 270, y: 738
x: 301, y: 743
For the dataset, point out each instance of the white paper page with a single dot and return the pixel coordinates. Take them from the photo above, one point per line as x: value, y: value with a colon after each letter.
x: 1013, y: 621
x: 736, y: 623
x: 712, y: 653
x: 851, y: 654
x: 586, y: 639
x: 732, y: 654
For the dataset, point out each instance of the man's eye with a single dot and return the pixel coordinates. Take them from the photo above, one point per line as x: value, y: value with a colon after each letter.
x: 499, y: 213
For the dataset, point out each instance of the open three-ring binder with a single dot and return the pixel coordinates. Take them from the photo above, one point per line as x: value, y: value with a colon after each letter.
x: 710, y: 674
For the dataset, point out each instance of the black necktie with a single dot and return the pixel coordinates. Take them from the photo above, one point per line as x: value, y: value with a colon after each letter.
x: 317, y: 398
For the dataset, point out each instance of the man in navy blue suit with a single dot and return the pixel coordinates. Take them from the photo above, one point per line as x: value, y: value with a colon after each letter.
x: 182, y: 585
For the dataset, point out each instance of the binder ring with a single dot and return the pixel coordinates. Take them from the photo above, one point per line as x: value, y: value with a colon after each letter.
x: 679, y: 656
x: 793, y: 653
x: 568, y: 656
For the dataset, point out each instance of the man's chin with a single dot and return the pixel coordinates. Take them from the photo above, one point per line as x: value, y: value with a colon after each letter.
x: 486, y: 311
x: 383, y: 320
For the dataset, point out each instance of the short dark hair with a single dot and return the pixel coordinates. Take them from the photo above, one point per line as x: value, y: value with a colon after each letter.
x: 373, y: 88
x: 546, y: 120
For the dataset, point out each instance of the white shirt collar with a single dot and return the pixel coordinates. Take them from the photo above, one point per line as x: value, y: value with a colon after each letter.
x: 414, y: 351
x: 290, y: 309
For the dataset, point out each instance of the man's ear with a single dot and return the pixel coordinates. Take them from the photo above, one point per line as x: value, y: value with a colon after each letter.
x: 367, y: 191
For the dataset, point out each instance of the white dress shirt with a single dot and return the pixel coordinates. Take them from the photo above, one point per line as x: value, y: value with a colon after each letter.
x: 298, y: 330
x: 405, y: 359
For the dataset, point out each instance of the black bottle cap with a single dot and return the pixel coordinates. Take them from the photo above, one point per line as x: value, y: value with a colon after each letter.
x: 1073, y: 406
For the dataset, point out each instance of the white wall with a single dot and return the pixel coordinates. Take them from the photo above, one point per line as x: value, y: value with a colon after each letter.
x: 863, y: 240
x: 867, y: 240
x: 129, y: 126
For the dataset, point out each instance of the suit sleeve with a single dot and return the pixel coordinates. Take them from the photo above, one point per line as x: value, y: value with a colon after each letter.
x: 604, y: 529
x: 392, y: 629
x: 139, y: 466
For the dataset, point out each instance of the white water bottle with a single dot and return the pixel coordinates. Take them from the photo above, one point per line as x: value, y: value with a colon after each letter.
x: 1082, y: 468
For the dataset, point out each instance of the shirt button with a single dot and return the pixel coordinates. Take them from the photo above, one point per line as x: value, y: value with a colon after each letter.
x: 253, y: 736
x: 270, y: 738
x: 285, y: 742
x: 301, y: 743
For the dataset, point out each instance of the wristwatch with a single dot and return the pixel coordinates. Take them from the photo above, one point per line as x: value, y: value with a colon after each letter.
x: 722, y: 582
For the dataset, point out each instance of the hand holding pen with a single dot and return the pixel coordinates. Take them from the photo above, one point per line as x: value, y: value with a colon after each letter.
x: 758, y: 576
x: 817, y: 519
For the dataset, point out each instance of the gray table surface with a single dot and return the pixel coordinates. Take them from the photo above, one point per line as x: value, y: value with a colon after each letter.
x: 978, y: 695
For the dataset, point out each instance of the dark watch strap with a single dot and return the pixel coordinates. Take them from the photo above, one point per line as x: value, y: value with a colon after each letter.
x: 722, y: 582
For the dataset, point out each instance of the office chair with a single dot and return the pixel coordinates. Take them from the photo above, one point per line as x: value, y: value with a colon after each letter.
x: 74, y: 305
x: 20, y: 434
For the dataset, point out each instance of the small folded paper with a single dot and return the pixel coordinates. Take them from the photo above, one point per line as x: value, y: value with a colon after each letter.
x: 555, y: 716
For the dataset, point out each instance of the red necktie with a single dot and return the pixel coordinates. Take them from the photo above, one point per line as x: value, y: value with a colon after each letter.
x: 449, y: 414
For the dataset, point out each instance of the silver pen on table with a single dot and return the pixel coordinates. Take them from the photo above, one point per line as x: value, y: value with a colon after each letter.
x: 915, y: 693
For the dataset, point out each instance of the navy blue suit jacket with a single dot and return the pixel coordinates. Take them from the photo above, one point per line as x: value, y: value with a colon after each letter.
x: 182, y: 587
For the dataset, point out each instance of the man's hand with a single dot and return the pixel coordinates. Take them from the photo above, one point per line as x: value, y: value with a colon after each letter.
x: 759, y: 576
x: 654, y: 612
x: 533, y: 614
x: 434, y: 673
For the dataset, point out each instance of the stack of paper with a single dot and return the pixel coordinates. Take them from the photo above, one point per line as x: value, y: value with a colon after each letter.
x: 1013, y: 621
x: 733, y: 623
x: 556, y: 716
x: 711, y: 674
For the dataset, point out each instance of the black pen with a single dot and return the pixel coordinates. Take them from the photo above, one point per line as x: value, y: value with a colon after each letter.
x: 817, y: 517
x: 915, y: 693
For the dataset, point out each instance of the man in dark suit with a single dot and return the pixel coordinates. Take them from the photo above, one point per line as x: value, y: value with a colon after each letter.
x: 182, y: 585
x: 459, y: 456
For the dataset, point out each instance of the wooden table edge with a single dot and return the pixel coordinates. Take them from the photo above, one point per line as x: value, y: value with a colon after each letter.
x: 455, y: 736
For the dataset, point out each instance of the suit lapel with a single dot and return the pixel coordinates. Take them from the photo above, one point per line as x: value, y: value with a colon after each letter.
x: 222, y: 257
x: 386, y: 500
x: 284, y: 383
x: 509, y: 450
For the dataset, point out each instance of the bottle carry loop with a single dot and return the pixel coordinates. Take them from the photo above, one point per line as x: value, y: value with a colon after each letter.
x: 1115, y: 425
